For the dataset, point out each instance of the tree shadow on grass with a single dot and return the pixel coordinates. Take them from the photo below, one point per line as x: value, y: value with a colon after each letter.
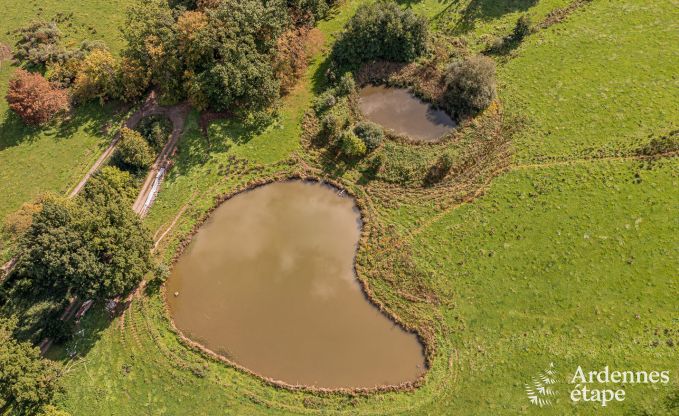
x: 475, y: 10
x: 92, y: 118
x: 13, y: 131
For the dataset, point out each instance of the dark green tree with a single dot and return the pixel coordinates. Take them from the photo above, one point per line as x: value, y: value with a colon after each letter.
x: 381, y: 30
x: 27, y: 381
x: 95, y: 244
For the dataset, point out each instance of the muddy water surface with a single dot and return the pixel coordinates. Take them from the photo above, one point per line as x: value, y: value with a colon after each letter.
x: 268, y: 282
x: 399, y: 110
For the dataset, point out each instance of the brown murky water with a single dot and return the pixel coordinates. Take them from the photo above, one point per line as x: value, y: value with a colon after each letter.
x: 399, y: 110
x: 268, y: 282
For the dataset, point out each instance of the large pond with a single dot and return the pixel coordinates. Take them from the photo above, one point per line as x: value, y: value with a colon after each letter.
x: 268, y: 282
x: 399, y: 110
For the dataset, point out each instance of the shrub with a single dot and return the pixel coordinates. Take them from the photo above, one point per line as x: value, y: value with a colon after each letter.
x: 346, y: 85
x: 34, y: 99
x: 156, y: 130
x: 325, y: 101
x: 351, y: 145
x: 470, y: 86
x: 133, y: 152
x: 97, y: 77
x: 291, y: 57
x: 522, y: 28
x: 38, y: 44
x: 333, y: 124
x: 371, y: 134
x: 440, y: 169
x: 381, y: 30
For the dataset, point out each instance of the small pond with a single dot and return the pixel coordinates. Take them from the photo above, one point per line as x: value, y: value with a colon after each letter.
x: 399, y: 110
x: 268, y: 282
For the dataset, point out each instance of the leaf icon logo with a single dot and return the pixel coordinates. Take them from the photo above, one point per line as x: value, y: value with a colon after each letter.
x: 540, y: 390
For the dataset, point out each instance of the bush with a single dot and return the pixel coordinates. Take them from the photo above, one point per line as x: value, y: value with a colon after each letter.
x: 371, y: 134
x: 38, y: 44
x: 440, y: 169
x: 156, y: 130
x: 291, y: 58
x: 522, y: 28
x: 33, y: 99
x: 346, y: 85
x: 333, y: 124
x: 325, y: 101
x: 381, y: 30
x: 133, y: 152
x: 470, y: 86
x: 351, y: 145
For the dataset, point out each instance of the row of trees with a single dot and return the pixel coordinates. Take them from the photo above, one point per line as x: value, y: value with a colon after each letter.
x: 220, y: 55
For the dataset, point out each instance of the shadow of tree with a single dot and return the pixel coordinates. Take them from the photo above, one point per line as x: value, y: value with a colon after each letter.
x: 13, y: 131
x: 475, y: 10
x: 93, y: 118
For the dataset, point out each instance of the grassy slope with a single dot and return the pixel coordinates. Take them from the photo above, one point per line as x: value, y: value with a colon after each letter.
x: 527, y: 268
x: 602, y: 82
x: 553, y: 264
x: 34, y: 161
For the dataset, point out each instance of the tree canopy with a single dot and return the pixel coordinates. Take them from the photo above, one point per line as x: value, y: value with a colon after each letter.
x: 217, y: 54
x: 27, y: 381
x: 95, y: 244
x: 381, y: 30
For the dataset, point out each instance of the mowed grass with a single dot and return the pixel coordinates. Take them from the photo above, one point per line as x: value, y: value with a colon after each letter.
x: 574, y: 265
x: 54, y: 159
x: 602, y: 83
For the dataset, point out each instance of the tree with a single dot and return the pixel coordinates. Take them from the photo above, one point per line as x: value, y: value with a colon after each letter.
x: 133, y: 79
x: 220, y: 57
x: 351, y: 145
x: 371, y: 134
x: 97, y: 77
x: 152, y: 42
x: 133, y: 151
x: 95, y: 244
x: 110, y: 185
x: 381, y: 30
x: 33, y: 99
x: 27, y: 381
x: 470, y: 86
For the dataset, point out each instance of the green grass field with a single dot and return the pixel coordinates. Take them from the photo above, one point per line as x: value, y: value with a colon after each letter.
x: 561, y: 260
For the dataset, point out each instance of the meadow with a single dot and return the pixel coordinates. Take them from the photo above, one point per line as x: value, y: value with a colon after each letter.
x: 567, y: 256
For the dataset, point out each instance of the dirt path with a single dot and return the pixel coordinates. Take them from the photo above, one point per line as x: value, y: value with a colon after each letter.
x: 177, y: 115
